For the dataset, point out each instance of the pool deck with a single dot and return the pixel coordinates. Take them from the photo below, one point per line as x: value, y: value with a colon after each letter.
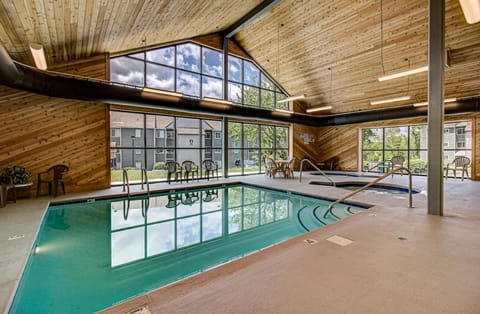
x: 402, y: 260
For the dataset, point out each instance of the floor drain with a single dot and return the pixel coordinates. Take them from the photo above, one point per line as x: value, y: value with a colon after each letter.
x: 142, y: 310
x: 402, y: 238
x: 310, y: 241
x: 340, y: 240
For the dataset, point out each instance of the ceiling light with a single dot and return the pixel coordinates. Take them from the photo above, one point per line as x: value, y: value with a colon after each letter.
x: 385, y: 101
x: 38, y: 56
x: 162, y: 92
x: 471, y: 10
x: 291, y: 98
x: 315, y: 109
x: 425, y: 103
x: 402, y: 74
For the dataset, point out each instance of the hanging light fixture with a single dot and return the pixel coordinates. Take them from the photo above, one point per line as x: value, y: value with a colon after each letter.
x: 471, y: 10
x: 324, y: 108
x: 38, y: 56
x: 425, y: 103
x: 395, y: 99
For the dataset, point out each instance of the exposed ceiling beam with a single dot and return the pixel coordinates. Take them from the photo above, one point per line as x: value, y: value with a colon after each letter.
x: 258, y: 11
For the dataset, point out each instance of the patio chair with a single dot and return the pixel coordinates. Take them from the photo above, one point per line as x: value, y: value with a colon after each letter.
x: 173, y: 169
x: 210, y: 195
x: 397, y: 161
x: 53, y: 177
x: 211, y: 167
x: 271, y: 167
x: 288, y: 170
x: 189, y: 167
x: 458, y: 163
x: 6, y: 184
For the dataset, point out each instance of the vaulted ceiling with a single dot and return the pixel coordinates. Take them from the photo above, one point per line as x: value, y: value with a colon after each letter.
x: 331, y: 51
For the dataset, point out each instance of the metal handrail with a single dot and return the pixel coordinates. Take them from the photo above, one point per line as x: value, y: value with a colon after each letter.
x: 314, y: 166
x: 144, y: 179
x: 126, y: 182
x: 389, y: 162
x: 375, y: 181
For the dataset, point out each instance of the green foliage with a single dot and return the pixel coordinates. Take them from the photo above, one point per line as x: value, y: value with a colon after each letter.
x: 159, y: 165
x: 19, y: 174
x: 418, y: 165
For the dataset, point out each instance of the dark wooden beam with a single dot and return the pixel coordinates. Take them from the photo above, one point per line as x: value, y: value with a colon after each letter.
x: 258, y: 11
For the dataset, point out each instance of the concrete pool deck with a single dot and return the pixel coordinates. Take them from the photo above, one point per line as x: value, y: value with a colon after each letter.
x: 402, y: 260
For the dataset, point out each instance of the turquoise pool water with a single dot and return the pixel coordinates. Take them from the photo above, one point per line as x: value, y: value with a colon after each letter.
x: 91, y: 255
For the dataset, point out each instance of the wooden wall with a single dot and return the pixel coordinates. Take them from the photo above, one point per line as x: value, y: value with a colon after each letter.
x: 343, y: 141
x: 40, y: 131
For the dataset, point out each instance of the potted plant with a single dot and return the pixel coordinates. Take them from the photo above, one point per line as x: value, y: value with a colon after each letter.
x: 19, y: 174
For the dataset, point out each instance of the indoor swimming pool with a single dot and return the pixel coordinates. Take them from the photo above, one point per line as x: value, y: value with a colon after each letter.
x: 92, y: 254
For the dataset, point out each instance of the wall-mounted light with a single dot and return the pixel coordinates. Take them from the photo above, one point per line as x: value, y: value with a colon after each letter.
x: 425, y: 103
x: 283, y: 110
x: 291, y: 98
x: 161, y: 92
x: 38, y: 56
x: 402, y: 74
x: 386, y: 101
x: 471, y: 10
x: 322, y: 108
x: 216, y: 100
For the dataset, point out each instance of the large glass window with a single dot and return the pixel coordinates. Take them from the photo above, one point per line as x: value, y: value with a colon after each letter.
x: 249, y: 143
x: 197, y: 71
x: 147, y: 141
x: 381, y: 144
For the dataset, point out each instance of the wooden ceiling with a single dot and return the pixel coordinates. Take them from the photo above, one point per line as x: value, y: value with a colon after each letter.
x: 296, y: 41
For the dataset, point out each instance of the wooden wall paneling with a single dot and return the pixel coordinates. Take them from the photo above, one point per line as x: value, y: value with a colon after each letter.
x: 41, y: 131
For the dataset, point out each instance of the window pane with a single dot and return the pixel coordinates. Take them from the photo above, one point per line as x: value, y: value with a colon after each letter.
x: 267, y: 83
x: 235, y: 161
x: 212, y: 87
x: 283, y: 105
x: 188, y: 57
x: 418, y: 161
x: 418, y: 137
x: 162, y: 55
x: 188, y: 83
x: 160, y: 77
x: 267, y: 99
x: 235, y: 93
x: 212, y: 62
x: 372, y: 138
x: 396, y: 138
x: 250, y: 96
x: 250, y: 135
x: 234, y: 69
x: 267, y: 136
x: 127, y: 71
x: 282, y: 137
x: 252, y: 74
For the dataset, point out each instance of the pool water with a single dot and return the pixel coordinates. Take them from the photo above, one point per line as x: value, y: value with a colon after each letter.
x: 91, y: 255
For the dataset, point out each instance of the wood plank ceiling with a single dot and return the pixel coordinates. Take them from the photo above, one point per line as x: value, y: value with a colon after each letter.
x: 297, y: 41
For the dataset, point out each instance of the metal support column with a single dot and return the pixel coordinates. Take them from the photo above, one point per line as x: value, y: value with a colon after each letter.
x: 225, y: 147
x: 436, y: 30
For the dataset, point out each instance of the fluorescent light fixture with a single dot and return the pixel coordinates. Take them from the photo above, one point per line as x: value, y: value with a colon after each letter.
x: 283, y: 110
x: 291, y: 98
x: 162, y: 92
x: 315, y: 109
x: 38, y: 56
x: 402, y: 74
x: 386, y: 101
x: 425, y: 103
x: 216, y: 100
x: 471, y: 10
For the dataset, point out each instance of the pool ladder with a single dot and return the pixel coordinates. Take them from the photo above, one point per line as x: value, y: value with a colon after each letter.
x: 314, y: 166
x: 391, y: 172
x: 144, y: 179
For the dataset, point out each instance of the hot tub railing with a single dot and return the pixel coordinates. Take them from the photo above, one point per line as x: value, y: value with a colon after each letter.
x: 391, y: 172
x: 314, y: 166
